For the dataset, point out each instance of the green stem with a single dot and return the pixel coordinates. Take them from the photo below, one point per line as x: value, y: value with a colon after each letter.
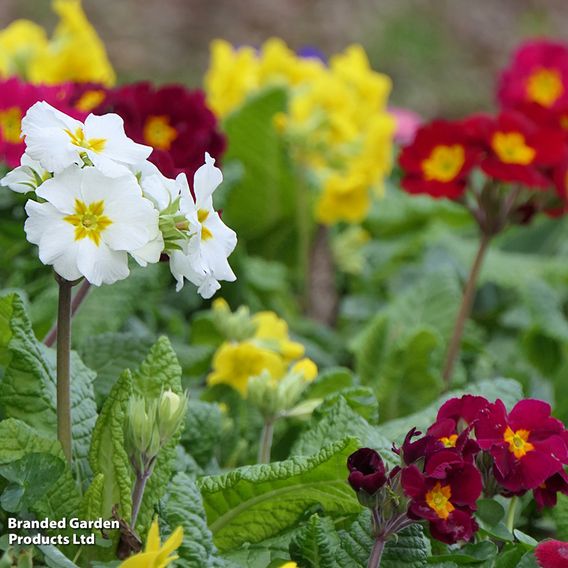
x: 464, y: 311
x: 266, y: 441
x: 137, y: 495
x: 510, y: 520
x: 63, y: 367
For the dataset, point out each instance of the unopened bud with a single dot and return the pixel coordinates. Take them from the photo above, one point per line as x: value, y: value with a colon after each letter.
x: 171, y: 413
x: 143, y: 435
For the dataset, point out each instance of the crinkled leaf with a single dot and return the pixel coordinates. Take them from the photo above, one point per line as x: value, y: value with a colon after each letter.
x: 253, y: 503
x: 203, y: 429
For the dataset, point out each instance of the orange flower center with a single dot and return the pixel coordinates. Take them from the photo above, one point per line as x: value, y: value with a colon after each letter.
x: 11, y: 125
x: 511, y: 148
x: 450, y: 441
x: 90, y: 100
x: 518, y: 442
x: 545, y: 87
x: 444, y: 163
x: 159, y: 133
x: 438, y: 499
x: 89, y: 220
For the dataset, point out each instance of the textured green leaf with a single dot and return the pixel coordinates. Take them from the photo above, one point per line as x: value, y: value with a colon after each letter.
x: 93, y: 498
x: 184, y: 508
x: 253, y: 503
x: 107, y: 456
x: 203, y: 430
x: 335, y: 423
x: 361, y: 400
x: 109, y: 354
x: 159, y: 371
x: 560, y: 514
x: 507, y: 390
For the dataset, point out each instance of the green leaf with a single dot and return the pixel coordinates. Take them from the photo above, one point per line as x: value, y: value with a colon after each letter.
x: 468, y: 554
x: 27, y: 390
x: 107, y: 456
x: 334, y: 423
x: 109, y: 354
x: 490, y: 511
x: 560, y: 515
x: 31, y: 478
x: 361, y: 400
x: 330, y: 381
x: 203, y: 430
x: 253, y: 503
x: 525, y: 539
x: 184, y: 508
x: 159, y: 371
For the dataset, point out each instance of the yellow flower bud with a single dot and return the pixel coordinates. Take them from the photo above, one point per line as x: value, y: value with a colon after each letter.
x: 307, y: 368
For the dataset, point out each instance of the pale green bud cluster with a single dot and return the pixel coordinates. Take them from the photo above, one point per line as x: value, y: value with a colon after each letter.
x: 151, y: 424
x: 234, y: 326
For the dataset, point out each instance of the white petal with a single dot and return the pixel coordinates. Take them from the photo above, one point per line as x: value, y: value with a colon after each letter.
x: 161, y: 190
x: 20, y: 180
x: 101, y: 265
x: 63, y: 189
x: 150, y: 253
x: 206, y: 180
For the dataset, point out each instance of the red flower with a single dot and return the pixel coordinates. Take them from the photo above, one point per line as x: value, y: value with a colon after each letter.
x: 528, y: 446
x: 175, y: 121
x: 438, y: 161
x: 16, y: 97
x: 537, y: 74
x: 546, y: 493
x: 552, y: 554
x: 515, y: 149
x: 367, y: 471
x: 445, y: 495
x: 462, y: 411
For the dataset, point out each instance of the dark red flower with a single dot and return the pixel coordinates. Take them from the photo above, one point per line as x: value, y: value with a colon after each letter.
x: 16, y: 97
x: 463, y: 411
x: 515, y: 149
x: 438, y: 161
x: 528, y: 446
x: 538, y: 73
x: 552, y: 554
x: 546, y: 493
x: 445, y: 494
x: 175, y: 121
x: 367, y: 471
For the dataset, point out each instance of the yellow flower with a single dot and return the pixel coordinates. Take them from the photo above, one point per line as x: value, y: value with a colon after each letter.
x: 75, y: 52
x: 155, y: 554
x: 235, y: 363
x: 307, y: 368
x: 19, y: 44
x: 344, y: 198
x: 272, y: 332
x: 289, y: 565
x: 232, y: 75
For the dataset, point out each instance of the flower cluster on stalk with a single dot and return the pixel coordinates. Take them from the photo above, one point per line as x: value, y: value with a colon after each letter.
x: 504, y: 167
x: 96, y: 200
x: 474, y: 449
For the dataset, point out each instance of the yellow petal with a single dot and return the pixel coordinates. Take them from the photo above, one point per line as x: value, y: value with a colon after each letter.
x: 153, y: 539
x: 142, y: 560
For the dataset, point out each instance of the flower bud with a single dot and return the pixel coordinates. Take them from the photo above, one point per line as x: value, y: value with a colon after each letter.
x: 171, y: 413
x: 367, y: 471
x: 142, y: 432
x: 236, y: 326
x: 262, y: 393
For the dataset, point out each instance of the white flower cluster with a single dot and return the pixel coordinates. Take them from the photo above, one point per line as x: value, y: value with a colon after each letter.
x: 97, y: 199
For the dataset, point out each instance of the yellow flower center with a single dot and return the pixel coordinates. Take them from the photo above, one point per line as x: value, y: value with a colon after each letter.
x: 511, y: 148
x: 78, y: 139
x: 450, y: 441
x: 444, y: 163
x: 545, y: 87
x: 89, y: 220
x: 438, y: 499
x: 159, y: 133
x: 90, y: 100
x: 11, y: 125
x: 202, y: 215
x: 518, y: 442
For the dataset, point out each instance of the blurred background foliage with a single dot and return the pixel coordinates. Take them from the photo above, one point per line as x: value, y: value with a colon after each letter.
x: 442, y: 56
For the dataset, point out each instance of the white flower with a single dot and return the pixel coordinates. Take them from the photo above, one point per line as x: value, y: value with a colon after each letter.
x: 57, y: 141
x: 203, y: 260
x: 26, y: 177
x: 89, y: 223
x: 162, y: 191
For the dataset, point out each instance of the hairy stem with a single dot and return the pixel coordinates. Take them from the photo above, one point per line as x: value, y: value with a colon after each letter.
x: 266, y: 441
x: 137, y: 495
x: 63, y: 367
x: 376, y: 553
x: 78, y: 299
x: 511, y: 511
x: 465, y: 310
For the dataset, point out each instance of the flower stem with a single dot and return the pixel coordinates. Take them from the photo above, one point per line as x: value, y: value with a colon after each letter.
x: 63, y: 367
x: 465, y: 310
x: 510, y: 520
x: 78, y: 299
x: 266, y: 441
x: 138, y: 494
x: 376, y: 553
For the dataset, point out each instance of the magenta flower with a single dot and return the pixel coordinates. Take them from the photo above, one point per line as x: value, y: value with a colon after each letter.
x: 552, y: 554
x: 528, y: 446
x: 546, y: 493
x: 445, y: 495
x: 367, y: 471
